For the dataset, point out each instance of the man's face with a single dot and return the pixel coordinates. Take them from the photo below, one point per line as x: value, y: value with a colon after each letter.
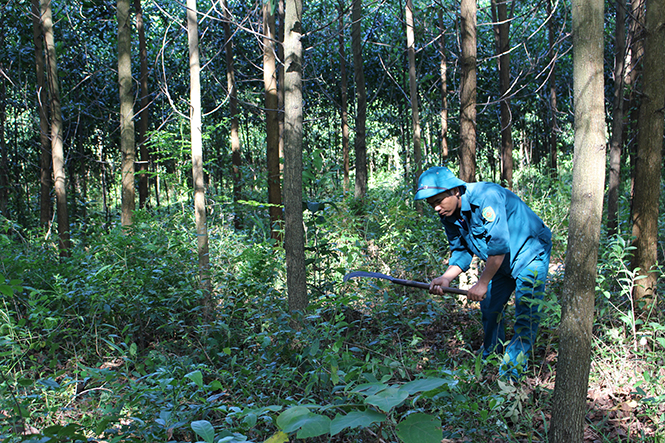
x: 445, y: 203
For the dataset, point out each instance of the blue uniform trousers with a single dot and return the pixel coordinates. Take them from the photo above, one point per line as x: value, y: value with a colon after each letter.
x: 530, y: 283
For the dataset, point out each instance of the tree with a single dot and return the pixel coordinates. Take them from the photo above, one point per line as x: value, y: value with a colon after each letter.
x: 233, y: 110
x: 361, y: 101
x: 272, y: 120
x: 127, y: 142
x: 444, y: 89
x: 577, y: 298
x: 294, y: 234
x: 468, y: 91
x: 144, y: 103
x: 503, y: 52
x: 553, y: 125
x: 45, y: 206
x: 344, y: 113
x: 4, y: 170
x: 413, y: 88
x: 648, y: 163
x: 196, y: 139
x: 57, y: 149
x: 616, y: 140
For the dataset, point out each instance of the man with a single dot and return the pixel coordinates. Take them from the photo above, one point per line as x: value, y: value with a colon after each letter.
x: 489, y: 221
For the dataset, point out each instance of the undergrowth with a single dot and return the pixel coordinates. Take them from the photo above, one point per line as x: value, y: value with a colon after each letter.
x: 109, y: 344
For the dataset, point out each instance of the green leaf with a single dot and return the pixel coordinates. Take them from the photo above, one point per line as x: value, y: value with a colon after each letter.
x: 355, y: 419
x: 204, y: 429
x: 278, y: 437
x: 387, y: 399
x: 425, y: 384
x: 370, y: 388
x: 308, y: 424
x: 420, y: 428
x: 196, y: 377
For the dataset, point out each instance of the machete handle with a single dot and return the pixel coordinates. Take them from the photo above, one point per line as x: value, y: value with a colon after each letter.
x: 399, y: 281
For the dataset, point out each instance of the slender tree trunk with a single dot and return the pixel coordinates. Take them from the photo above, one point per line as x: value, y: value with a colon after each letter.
x: 127, y: 143
x: 233, y: 110
x: 45, y: 206
x: 616, y: 141
x: 633, y: 72
x: 361, y: 100
x: 144, y: 114
x: 444, y: 89
x: 504, y: 88
x: 413, y: 89
x: 294, y: 239
x: 272, y: 121
x: 280, y: 82
x: 468, y: 91
x: 4, y: 170
x: 586, y: 210
x: 57, y: 149
x: 344, y: 99
x: 197, y: 159
x: 649, y: 154
x: 553, y: 125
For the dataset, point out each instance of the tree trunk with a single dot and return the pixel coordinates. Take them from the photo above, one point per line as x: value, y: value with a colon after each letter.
x: 444, y: 89
x: 586, y: 210
x: 413, y: 90
x: 233, y: 110
x: 553, y: 125
x: 197, y: 159
x: 504, y: 88
x: 294, y: 235
x: 361, y: 100
x: 649, y: 154
x: 344, y: 98
x: 4, y: 170
x: 468, y: 91
x: 272, y: 122
x: 144, y: 114
x: 616, y: 141
x: 45, y: 206
x: 127, y: 143
x: 57, y: 149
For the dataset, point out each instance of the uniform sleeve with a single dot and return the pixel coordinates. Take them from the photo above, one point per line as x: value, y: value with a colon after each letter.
x: 495, y: 222
x: 459, y: 252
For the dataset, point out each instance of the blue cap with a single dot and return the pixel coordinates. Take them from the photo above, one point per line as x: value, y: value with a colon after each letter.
x: 436, y: 180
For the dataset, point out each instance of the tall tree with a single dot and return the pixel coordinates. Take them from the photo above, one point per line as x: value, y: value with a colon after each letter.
x: 144, y: 103
x: 272, y: 120
x: 648, y: 163
x: 344, y: 98
x: 444, y: 89
x: 4, y: 164
x: 586, y: 210
x: 503, y: 52
x: 196, y: 139
x: 413, y: 88
x: 233, y: 110
x: 468, y: 91
x: 57, y: 143
x: 127, y: 142
x: 294, y: 234
x: 361, y: 101
x: 552, y: 139
x: 45, y: 206
x: 616, y: 140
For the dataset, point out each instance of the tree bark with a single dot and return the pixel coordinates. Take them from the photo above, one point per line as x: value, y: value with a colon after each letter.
x: 233, y: 110
x: 144, y: 114
x: 57, y: 148
x: 577, y: 298
x: 196, y: 139
x: 294, y: 235
x: 127, y: 142
x: 4, y: 169
x: 468, y: 91
x: 344, y: 99
x: 361, y: 100
x: 552, y: 139
x: 272, y: 122
x: 444, y: 89
x: 413, y: 89
x: 649, y: 154
x: 616, y: 141
x: 504, y: 88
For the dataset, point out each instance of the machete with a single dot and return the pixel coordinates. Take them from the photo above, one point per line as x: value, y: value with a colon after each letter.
x: 399, y: 281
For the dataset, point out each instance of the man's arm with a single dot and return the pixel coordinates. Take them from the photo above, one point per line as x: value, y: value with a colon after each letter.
x: 478, y: 291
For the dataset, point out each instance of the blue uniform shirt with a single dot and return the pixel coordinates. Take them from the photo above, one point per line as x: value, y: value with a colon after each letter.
x: 494, y: 221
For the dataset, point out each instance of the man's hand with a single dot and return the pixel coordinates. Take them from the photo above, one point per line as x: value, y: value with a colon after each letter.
x: 477, y: 292
x: 437, y: 283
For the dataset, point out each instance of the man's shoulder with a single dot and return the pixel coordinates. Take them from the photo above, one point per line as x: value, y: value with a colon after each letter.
x: 480, y: 190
